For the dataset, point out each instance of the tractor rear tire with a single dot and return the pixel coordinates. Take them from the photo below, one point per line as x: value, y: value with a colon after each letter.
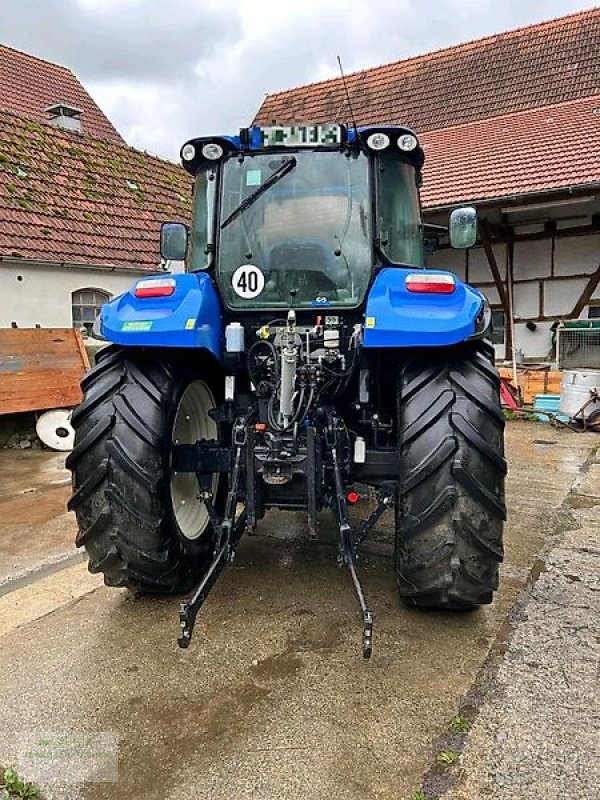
x: 450, y: 508
x: 122, y: 483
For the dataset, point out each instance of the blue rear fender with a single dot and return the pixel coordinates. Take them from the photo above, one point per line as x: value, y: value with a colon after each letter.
x: 397, y: 317
x: 190, y: 317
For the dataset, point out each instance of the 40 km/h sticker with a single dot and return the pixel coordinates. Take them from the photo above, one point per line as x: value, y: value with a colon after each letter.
x: 248, y: 281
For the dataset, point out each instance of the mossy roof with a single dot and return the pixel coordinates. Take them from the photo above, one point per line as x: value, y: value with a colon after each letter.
x: 68, y: 197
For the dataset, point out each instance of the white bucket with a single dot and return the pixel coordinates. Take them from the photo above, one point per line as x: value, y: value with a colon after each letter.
x: 576, y: 390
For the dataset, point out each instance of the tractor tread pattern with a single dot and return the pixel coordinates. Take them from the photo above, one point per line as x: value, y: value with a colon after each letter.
x: 91, y: 437
x: 439, y: 406
x: 117, y: 463
x: 451, y: 504
x: 475, y: 439
x: 476, y: 489
x: 440, y: 504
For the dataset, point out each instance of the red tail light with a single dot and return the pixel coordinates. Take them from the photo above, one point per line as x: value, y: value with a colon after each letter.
x: 155, y: 287
x: 432, y: 283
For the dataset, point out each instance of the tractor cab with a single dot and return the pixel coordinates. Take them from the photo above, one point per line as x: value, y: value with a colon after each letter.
x: 301, y: 216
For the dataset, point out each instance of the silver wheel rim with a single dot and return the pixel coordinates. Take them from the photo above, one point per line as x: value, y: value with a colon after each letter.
x: 192, y: 423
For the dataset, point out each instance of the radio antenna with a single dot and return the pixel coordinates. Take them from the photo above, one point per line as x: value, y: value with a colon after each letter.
x: 352, y: 117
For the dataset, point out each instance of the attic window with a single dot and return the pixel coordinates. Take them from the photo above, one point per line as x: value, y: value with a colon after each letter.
x: 63, y: 115
x: 132, y: 185
x: 20, y: 172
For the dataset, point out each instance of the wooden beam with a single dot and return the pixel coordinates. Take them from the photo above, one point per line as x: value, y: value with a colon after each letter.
x: 546, y: 279
x: 561, y: 233
x: 82, y: 351
x: 586, y: 295
x: 497, y: 234
x: 510, y: 339
x: 485, y: 242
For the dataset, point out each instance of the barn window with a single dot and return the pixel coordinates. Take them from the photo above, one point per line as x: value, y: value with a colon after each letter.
x: 85, y: 307
x: 498, y: 326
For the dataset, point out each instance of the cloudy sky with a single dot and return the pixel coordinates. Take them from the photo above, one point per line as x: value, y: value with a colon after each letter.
x: 165, y: 70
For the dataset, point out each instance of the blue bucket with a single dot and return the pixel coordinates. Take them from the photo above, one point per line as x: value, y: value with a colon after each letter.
x: 548, y: 402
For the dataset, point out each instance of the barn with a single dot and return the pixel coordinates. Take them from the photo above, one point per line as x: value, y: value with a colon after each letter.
x: 510, y: 124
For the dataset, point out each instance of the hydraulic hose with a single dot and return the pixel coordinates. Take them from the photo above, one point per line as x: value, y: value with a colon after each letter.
x: 297, y: 416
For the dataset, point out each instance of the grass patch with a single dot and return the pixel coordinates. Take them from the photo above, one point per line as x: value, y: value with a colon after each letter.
x: 15, y: 788
x: 447, y: 757
x: 523, y: 414
x: 459, y: 724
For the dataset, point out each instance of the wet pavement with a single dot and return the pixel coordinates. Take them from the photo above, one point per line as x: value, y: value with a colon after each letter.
x: 537, y: 733
x: 35, y: 528
x: 273, y: 699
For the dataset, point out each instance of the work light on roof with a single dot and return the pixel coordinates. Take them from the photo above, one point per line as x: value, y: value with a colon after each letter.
x: 407, y: 142
x: 188, y: 152
x: 212, y: 151
x: 378, y: 141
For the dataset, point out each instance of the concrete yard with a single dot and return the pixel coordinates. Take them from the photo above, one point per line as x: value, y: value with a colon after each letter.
x: 273, y: 699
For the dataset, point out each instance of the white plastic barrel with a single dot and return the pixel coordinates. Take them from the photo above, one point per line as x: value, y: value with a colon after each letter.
x: 575, y: 391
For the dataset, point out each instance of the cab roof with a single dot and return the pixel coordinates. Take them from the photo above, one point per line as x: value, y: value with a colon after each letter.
x: 331, y: 136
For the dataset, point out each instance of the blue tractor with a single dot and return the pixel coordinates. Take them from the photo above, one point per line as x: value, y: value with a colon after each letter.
x: 306, y: 353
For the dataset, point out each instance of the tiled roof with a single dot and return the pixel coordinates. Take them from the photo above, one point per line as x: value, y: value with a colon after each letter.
x: 28, y: 85
x: 541, y: 64
x: 536, y: 151
x: 68, y: 197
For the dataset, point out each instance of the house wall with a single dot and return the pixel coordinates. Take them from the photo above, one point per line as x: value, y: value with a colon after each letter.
x: 549, y: 277
x: 41, y: 295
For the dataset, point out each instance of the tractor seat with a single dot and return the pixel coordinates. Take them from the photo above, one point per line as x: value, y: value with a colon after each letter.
x: 306, y: 267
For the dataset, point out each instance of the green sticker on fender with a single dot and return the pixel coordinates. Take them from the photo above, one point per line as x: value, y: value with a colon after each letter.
x: 136, y: 326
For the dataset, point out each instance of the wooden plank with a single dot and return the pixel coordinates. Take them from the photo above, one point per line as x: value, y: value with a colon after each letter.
x: 534, y: 381
x: 41, y: 390
x: 36, y: 340
x: 82, y: 351
x: 40, y: 368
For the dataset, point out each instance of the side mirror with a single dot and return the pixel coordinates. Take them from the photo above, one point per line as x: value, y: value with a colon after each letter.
x: 463, y: 227
x: 173, y: 241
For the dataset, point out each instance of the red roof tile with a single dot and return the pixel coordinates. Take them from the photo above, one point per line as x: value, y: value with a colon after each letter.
x: 536, y: 151
x: 541, y: 64
x: 28, y: 85
x: 73, y: 198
